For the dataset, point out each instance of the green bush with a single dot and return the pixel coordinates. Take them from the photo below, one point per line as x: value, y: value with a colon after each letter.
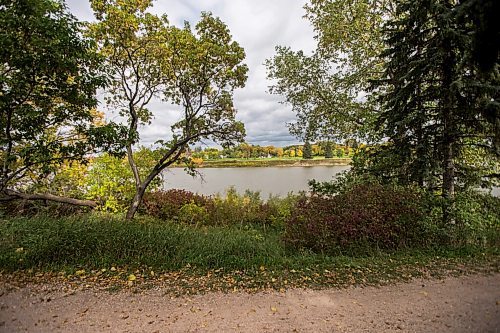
x: 191, y: 213
x: 477, y: 218
x: 110, y: 181
x: 281, y: 209
x: 235, y: 209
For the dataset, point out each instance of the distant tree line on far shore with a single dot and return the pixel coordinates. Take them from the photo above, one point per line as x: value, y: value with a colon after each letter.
x: 246, y: 150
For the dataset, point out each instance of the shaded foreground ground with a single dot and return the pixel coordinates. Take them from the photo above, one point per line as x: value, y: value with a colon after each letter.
x: 463, y: 304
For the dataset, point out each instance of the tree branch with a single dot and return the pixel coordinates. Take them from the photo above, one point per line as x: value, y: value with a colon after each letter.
x: 46, y: 196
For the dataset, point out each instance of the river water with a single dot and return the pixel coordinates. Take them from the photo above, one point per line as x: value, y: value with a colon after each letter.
x: 267, y: 180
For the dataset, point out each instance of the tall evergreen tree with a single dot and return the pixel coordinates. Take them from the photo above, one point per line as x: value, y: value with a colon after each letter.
x: 328, y: 150
x: 307, y: 152
x: 434, y: 99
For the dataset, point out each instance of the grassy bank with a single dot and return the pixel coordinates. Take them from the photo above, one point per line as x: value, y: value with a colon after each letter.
x: 272, y: 162
x: 107, y: 251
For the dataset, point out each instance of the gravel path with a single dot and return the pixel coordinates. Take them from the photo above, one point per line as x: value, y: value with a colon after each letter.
x: 465, y: 304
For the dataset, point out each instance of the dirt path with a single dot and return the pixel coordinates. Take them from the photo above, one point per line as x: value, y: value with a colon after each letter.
x: 465, y: 304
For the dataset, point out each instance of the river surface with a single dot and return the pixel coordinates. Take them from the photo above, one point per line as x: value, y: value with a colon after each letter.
x: 267, y: 180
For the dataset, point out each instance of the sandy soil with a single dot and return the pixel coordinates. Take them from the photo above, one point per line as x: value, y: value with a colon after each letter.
x: 465, y: 304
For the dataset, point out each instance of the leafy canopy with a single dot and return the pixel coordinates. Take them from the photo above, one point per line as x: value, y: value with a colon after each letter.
x: 328, y: 90
x: 197, y: 71
x: 49, y: 75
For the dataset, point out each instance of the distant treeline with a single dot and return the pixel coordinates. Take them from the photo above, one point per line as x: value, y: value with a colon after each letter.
x: 246, y: 150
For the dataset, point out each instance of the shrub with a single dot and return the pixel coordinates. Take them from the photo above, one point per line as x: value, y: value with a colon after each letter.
x: 165, y: 205
x: 111, y: 183
x: 30, y: 208
x: 280, y: 209
x: 235, y: 209
x: 342, y: 183
x: 364, y: 218
x: 477, y: 218
x: 191, y: 213
x: 231, y: 209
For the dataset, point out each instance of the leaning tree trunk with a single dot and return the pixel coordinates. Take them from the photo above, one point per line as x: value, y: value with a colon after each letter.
x: 139, y: 194
x: 12, y: 194
x: 136, y: 201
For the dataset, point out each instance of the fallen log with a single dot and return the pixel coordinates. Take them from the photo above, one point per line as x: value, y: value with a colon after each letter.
x: 12, y: 195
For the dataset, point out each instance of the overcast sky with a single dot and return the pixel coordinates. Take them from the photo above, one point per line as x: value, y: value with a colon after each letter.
x: 258, y: 26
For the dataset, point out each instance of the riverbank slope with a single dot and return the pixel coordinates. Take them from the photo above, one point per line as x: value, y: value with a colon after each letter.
x: 271, y: 162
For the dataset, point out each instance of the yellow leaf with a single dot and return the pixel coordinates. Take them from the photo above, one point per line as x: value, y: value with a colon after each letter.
x: 262, y: 268
x: 113, y: 268
x: 80, y: 272
x: 131, y: 277
x: 19, y: 249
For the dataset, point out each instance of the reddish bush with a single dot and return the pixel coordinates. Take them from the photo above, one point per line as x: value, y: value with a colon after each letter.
x: 166, y: 204
x: 233, y: 209
x: 363, y: 218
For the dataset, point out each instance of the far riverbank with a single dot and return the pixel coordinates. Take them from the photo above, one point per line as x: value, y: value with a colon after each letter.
x: 271, y: 162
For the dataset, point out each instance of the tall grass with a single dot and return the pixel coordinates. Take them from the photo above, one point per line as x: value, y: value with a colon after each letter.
x: 98, y: 242
x: 241, y: 232
x: 206, y: 258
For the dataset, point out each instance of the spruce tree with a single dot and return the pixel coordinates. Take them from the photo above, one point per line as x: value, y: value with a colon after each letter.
x: 328, y: 150
x: 307, y: 151
x: 433, y: 98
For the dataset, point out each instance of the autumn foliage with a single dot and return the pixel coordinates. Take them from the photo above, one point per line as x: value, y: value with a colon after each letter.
x: 232, y: 209
x: 165, y: 205
x: 364, y: 217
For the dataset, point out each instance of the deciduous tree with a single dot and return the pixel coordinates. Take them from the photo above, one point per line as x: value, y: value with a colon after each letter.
x: 328, y: 90
x: 196, y: 70
x: 49, y: 75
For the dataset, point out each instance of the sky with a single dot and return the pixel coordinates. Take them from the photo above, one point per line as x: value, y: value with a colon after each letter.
x: 258, y: 26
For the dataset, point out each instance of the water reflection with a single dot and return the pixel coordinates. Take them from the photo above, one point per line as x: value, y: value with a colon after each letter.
x: 267, y: 180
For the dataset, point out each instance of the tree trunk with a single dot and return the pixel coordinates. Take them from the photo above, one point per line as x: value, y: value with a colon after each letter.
x: 448, y: 183
x: 173, y: 154
x: 139, y: 194
x: 136, y: 201
x: 449, y: 137
x: 133, y: 167
x: 45, y: 196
